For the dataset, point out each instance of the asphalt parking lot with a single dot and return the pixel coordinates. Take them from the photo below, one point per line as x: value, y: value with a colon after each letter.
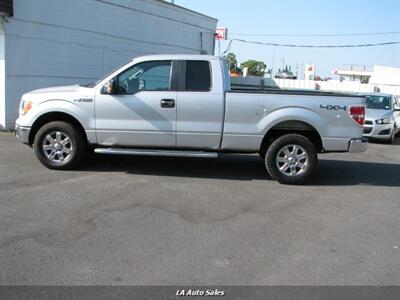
x: 179, y: 221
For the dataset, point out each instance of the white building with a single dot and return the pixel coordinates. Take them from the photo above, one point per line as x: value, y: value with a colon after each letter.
x: 57, y: 42
x: 385, y: 75
x: 376, y: 75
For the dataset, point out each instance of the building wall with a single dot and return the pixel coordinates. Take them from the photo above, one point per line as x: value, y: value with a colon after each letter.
x: 58, y: 42
x: 385, y: 75
x: 2, y: 76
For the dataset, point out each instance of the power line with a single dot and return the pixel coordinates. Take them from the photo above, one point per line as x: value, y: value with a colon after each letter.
x: 316, y: 34
x: 309, y: 46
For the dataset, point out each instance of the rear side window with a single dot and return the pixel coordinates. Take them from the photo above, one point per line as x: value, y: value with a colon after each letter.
x: 198, y: 76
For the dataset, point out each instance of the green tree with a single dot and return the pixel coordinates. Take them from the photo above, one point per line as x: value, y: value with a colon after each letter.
x: 255, y: 67
x: 232, y: 61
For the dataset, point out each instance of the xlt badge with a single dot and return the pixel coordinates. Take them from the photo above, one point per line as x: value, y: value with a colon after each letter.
x: 333, y: 107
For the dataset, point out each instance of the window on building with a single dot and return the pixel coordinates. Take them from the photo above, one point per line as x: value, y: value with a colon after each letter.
x: 6, y: 6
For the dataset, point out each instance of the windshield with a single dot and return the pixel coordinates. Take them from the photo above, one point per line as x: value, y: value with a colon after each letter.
x: 378, y: 102
x: 93, y: 84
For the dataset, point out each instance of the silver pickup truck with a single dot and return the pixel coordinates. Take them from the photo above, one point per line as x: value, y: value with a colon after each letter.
x: 184, y: 105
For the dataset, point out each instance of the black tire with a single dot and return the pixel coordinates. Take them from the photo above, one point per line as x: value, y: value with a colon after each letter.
x: 397, y: 133
x: 77, y: 142
x: 276, y: 149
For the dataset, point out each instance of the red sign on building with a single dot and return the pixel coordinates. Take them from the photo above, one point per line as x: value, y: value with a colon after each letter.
x: 221, y: 34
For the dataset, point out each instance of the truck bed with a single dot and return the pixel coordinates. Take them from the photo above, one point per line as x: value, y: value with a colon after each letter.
x: 249, y: 113
x: 244, y: 89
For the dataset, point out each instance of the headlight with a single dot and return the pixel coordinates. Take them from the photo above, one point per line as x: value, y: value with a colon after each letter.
x: 25, y: 107
x: 384, y: 121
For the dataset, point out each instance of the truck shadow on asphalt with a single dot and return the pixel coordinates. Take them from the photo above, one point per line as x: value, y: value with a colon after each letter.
x: 246, y: 167
x: 341, y: 172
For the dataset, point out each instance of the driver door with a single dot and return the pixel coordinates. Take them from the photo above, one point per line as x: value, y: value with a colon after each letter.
x: 140, y: 108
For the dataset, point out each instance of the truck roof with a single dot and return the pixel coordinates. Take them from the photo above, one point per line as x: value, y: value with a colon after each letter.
x: 178, y: 56
x: 374, y: 94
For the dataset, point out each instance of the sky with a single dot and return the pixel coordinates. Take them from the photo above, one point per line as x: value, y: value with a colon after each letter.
x: 296, y: 17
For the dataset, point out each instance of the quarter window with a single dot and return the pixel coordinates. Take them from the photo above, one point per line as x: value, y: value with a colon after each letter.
x: 198, y: 76
x: 146, y: 76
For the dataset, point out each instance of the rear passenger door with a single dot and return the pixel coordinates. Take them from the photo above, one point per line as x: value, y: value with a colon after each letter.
x: 200, y: 106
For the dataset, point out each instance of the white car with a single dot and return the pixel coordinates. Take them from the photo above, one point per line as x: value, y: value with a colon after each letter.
x: 382, y: 116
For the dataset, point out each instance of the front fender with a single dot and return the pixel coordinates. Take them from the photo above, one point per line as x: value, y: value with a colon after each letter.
x: 84, y: 115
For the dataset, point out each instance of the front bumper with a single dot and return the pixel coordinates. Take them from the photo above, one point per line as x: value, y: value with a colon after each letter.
x: 358, y: 145
x: 378, y: 131
x: 22, y: 133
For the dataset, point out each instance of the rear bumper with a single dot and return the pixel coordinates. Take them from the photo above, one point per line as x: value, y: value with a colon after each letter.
x: 22, y: 133
x: 358, y: 145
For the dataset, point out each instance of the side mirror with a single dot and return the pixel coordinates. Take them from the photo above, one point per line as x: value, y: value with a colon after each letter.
x: 109, y: 88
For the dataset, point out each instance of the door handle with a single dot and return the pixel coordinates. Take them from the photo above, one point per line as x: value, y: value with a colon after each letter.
x: 168, y: 103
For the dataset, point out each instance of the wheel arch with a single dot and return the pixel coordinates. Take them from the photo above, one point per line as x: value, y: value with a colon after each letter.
x: 55, y: 116
x: 292, y: 126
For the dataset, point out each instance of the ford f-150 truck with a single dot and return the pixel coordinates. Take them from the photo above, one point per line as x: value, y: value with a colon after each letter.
x: 184, y: 105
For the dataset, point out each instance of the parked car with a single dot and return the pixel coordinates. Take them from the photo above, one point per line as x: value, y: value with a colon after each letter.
x: 183, y: 105
x: 284, y: 75
x: 382, y: 120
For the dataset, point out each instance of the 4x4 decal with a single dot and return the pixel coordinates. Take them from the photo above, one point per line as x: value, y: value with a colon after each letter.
x: 333, y: 107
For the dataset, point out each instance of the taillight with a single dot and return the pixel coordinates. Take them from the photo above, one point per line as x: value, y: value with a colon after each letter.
x: 358, y: 114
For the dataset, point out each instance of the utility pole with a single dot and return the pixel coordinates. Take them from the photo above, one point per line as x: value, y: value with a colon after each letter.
x: 273, y: 61
x: 301, y: 71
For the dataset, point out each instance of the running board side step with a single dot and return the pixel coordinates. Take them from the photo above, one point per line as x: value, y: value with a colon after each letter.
x: 176, y: 153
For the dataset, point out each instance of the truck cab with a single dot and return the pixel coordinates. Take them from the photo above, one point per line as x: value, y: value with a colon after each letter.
x: 155, y: 102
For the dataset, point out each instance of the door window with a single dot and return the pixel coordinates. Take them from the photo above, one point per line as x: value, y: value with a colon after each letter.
x: 146, y: 76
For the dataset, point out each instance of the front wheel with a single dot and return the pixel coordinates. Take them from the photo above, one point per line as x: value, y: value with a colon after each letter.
x: 59, y: 145
x: 291, y: 159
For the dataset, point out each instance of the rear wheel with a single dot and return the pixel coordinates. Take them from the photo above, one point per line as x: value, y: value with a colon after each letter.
x: 291, y: 159
x: 59, y: 145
